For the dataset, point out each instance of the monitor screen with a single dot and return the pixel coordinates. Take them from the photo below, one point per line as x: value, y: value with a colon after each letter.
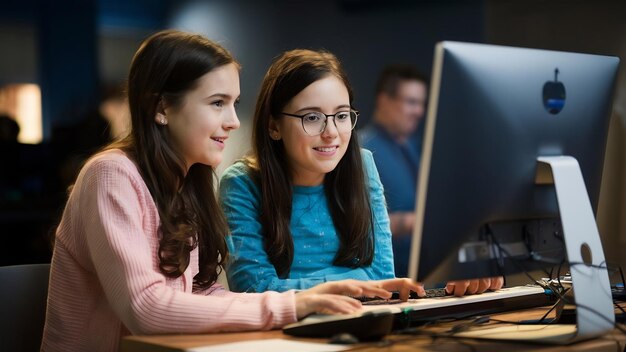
x: 493, y: 111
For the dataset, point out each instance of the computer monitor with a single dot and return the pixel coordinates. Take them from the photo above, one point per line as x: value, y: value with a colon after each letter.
x: 504, y: 125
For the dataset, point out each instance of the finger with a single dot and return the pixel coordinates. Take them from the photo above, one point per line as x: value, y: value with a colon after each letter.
x: 397, y: 284
x: 372, y: 288
x: 375, y: 291
x: 483, y: 285
x: 419, y: 289
x: 450, y: 287
x: 460, y: 287
x: 409, y: 285
x: 472, y: 288
x: 400, y: 284
x: 347, y: 287
x: 361, y: 288
x: 496, y: 283
x: 403, y: 293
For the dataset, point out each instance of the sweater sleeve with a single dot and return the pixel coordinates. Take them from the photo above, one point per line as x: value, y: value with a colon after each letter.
x: 113, y: 201
x: 249, y: 268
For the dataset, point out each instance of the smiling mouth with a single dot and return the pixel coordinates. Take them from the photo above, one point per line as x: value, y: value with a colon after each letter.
x: 219, y: 139
x: 326, y: 149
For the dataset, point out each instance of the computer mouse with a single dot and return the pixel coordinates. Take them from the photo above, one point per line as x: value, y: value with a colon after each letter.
x: 344, y: 339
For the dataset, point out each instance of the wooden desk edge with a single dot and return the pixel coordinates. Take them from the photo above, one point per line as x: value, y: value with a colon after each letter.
x: 182, y: 342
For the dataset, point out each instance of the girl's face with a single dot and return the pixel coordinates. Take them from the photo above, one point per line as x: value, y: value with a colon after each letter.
x: 200, y: 125
x: 312, y: 157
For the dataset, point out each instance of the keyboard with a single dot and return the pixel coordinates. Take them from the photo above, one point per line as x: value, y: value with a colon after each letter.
x: 422, y: 310
x: 376, y: 301
x: 418, y: 311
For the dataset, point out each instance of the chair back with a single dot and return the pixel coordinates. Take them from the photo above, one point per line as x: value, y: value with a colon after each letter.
x: 23, y: 298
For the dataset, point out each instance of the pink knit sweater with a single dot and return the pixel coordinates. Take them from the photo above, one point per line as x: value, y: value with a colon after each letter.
x: 105, y: 282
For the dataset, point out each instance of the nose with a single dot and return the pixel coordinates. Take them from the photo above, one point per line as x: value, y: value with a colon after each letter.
x: 330, y: 130
x: 232, y: 123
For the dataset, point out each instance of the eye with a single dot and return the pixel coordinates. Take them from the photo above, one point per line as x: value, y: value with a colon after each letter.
x: 218, y: 103
x: 236, y: 103
x: 311, y: 117
x: 342, y: 116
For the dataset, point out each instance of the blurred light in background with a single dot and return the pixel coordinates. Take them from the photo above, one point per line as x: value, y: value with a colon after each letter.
x: 209, y: 19
x: 23, y: 103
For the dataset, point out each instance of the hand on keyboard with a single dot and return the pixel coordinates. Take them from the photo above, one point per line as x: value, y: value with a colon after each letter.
x: 403, y: 286
x: 470, y: 287
x: 331, y: 297
x: 429, y: 293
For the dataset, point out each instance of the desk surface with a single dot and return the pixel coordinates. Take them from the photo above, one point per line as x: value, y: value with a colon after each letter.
x: 170, y: 343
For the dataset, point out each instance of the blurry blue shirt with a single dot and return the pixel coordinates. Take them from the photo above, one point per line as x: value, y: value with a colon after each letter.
x: 398, y: 165
x: 314, y: 236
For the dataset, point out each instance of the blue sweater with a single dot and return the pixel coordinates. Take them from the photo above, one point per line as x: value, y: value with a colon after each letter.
x: 314, y: 236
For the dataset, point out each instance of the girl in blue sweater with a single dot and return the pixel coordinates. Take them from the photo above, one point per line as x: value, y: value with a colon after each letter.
x: 307, y: 205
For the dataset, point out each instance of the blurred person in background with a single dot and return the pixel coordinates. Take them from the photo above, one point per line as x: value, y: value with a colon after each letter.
x: 395, y: 139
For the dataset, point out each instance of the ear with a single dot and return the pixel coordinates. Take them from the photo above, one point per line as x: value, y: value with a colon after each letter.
x: 274, y: 130
x: 159, y: 116
x: 160, y: 119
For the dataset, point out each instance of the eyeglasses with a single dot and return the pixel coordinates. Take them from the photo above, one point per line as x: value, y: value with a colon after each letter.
x: 314, y: 123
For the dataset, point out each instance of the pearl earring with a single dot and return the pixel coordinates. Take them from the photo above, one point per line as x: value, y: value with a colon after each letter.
x: 161, y: 119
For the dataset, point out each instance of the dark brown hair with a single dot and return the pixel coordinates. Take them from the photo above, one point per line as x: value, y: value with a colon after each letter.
x: 345, y: 186
x: 167, y: 66
x: 392, y: 75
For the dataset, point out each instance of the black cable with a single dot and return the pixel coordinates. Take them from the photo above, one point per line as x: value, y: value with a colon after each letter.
x: 549, y: 274
x: 435, y: 337
x: 565, y: 299
x: 491, y: 238
x: 561, y: 289
x: 500, y: 248
x: 465, y: 326
x: 619, y: 306
x: 605, y: 266
x: 558, y: 302
x: 558, y: 275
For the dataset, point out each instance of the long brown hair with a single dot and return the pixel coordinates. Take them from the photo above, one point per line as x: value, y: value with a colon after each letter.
x: 167, y: 66
x: 345, y: 186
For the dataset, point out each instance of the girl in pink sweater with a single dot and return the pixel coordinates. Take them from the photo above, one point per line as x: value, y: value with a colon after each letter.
x: 141, y: 241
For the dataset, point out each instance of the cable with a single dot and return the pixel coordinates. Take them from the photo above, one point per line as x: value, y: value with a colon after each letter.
x: 565, y: 299
x: 558, y: 302
x: 465, y: 326
x: 411, y: 335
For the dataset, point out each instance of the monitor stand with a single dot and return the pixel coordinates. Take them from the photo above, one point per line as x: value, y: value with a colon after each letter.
x: 595, y: 315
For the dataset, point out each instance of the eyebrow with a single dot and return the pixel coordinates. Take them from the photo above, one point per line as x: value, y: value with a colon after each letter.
x: 220, y: 95
x: 317, y: 108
